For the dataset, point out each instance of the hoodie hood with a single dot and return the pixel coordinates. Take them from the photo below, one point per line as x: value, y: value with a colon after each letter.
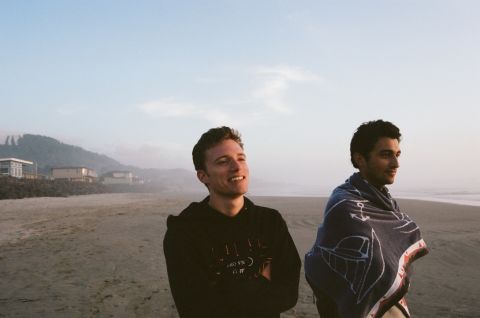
x: 201, y: 212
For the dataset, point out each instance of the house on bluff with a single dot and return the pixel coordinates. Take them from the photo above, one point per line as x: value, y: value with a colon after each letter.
x: 80, y: 174
x: 14, y: 167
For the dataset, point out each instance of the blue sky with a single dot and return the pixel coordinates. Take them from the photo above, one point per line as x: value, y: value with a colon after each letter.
x: 141, y: 80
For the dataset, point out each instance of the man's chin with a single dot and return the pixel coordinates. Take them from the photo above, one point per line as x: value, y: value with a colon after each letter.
x: 240, y: 190
x: 390, y: 181
x: 235, y: 194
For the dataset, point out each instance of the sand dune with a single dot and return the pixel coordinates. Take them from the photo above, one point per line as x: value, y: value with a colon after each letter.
x: 102, y: 255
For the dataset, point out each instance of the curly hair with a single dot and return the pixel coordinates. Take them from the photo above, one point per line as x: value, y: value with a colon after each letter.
x: 211, y: 138
x: 367, y: 135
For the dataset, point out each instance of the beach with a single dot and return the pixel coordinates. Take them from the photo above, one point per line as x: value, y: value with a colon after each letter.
x: 102, y: 255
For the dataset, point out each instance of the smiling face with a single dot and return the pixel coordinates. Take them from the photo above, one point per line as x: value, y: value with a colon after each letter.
x: 226, y: 171
x: 380, y: 168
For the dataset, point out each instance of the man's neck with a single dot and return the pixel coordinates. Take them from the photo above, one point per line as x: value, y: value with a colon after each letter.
x: 228, y: 206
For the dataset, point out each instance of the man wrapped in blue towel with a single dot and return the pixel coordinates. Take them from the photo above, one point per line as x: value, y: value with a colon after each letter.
x: 359, y: 264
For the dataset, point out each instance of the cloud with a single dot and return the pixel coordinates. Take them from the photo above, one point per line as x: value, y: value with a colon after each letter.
x: 273, y: 83
x: 170, y: 107
x: 248, y: 105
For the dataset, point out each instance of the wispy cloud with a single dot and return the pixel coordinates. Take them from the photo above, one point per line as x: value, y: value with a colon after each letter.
x: 273, y: 83
x: 170, y: 107
x: 248, y: 104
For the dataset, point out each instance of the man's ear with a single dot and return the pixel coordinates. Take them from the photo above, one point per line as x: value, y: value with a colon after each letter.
x: 202, y: 176
x: 359, y: 160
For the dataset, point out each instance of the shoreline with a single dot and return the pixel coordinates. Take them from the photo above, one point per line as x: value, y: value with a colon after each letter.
x: 199, y: 196
x: 424, y: 198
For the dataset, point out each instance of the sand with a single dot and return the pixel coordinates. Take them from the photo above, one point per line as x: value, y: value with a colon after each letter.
x: 102, y: 255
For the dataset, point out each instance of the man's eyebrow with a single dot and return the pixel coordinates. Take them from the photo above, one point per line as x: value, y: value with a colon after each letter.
x: 390, y: 151
x: 241, y: 154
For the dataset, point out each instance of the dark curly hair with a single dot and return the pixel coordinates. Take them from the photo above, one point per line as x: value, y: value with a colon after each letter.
x: 367, y: 135
x: 209, y: 139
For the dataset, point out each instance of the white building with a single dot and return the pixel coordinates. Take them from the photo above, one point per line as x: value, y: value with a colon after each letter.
x: 13, y: 167
x: 82, y: 174
x: 118, y: 177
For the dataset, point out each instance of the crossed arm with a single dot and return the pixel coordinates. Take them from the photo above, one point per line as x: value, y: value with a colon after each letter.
x: 196, y: 295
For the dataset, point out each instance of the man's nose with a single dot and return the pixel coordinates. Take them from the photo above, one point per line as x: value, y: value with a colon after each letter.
x: 395, y: 162
x: 235, y: 165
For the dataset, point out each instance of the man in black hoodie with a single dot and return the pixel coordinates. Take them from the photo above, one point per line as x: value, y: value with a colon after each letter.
x: 226, y: 256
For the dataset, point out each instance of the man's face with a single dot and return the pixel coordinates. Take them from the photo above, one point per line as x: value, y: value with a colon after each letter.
x: 382, y: 164
x: 226, y: 171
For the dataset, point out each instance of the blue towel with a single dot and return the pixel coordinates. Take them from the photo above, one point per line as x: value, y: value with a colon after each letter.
x: 363, y: 250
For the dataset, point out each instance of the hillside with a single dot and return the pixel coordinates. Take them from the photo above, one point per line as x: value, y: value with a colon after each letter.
x: 47, y: 152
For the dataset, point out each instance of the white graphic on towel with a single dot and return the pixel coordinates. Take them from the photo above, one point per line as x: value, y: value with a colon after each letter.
x: 352, y: 258
x: 359, y: 214
x: 407, y: 226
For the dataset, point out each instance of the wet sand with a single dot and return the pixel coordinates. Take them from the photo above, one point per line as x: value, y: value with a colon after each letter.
x: 102, y: 255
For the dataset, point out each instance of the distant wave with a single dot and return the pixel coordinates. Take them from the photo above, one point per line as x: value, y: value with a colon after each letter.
x: 457, y: 197
x: 461, y: 199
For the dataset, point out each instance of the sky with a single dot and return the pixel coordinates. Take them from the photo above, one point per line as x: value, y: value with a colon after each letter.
x: 140, y: 81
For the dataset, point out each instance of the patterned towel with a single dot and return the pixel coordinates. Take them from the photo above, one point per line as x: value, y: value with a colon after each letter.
x: 363, y: 250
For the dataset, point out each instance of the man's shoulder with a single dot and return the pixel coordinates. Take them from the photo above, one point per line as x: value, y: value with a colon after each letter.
x: 262, y: 210
x: 342, y: 198
x: 267, y: 217
x: 341, y: 193
x: 192, y: 214
x: 186, y: 213
x: 185, y: 227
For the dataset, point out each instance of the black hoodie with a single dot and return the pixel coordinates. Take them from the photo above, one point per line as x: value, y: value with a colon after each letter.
x: 214, y: 262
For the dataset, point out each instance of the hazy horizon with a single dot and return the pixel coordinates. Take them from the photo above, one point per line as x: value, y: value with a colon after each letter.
x: 448, y: 193
x: 140, y: 82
